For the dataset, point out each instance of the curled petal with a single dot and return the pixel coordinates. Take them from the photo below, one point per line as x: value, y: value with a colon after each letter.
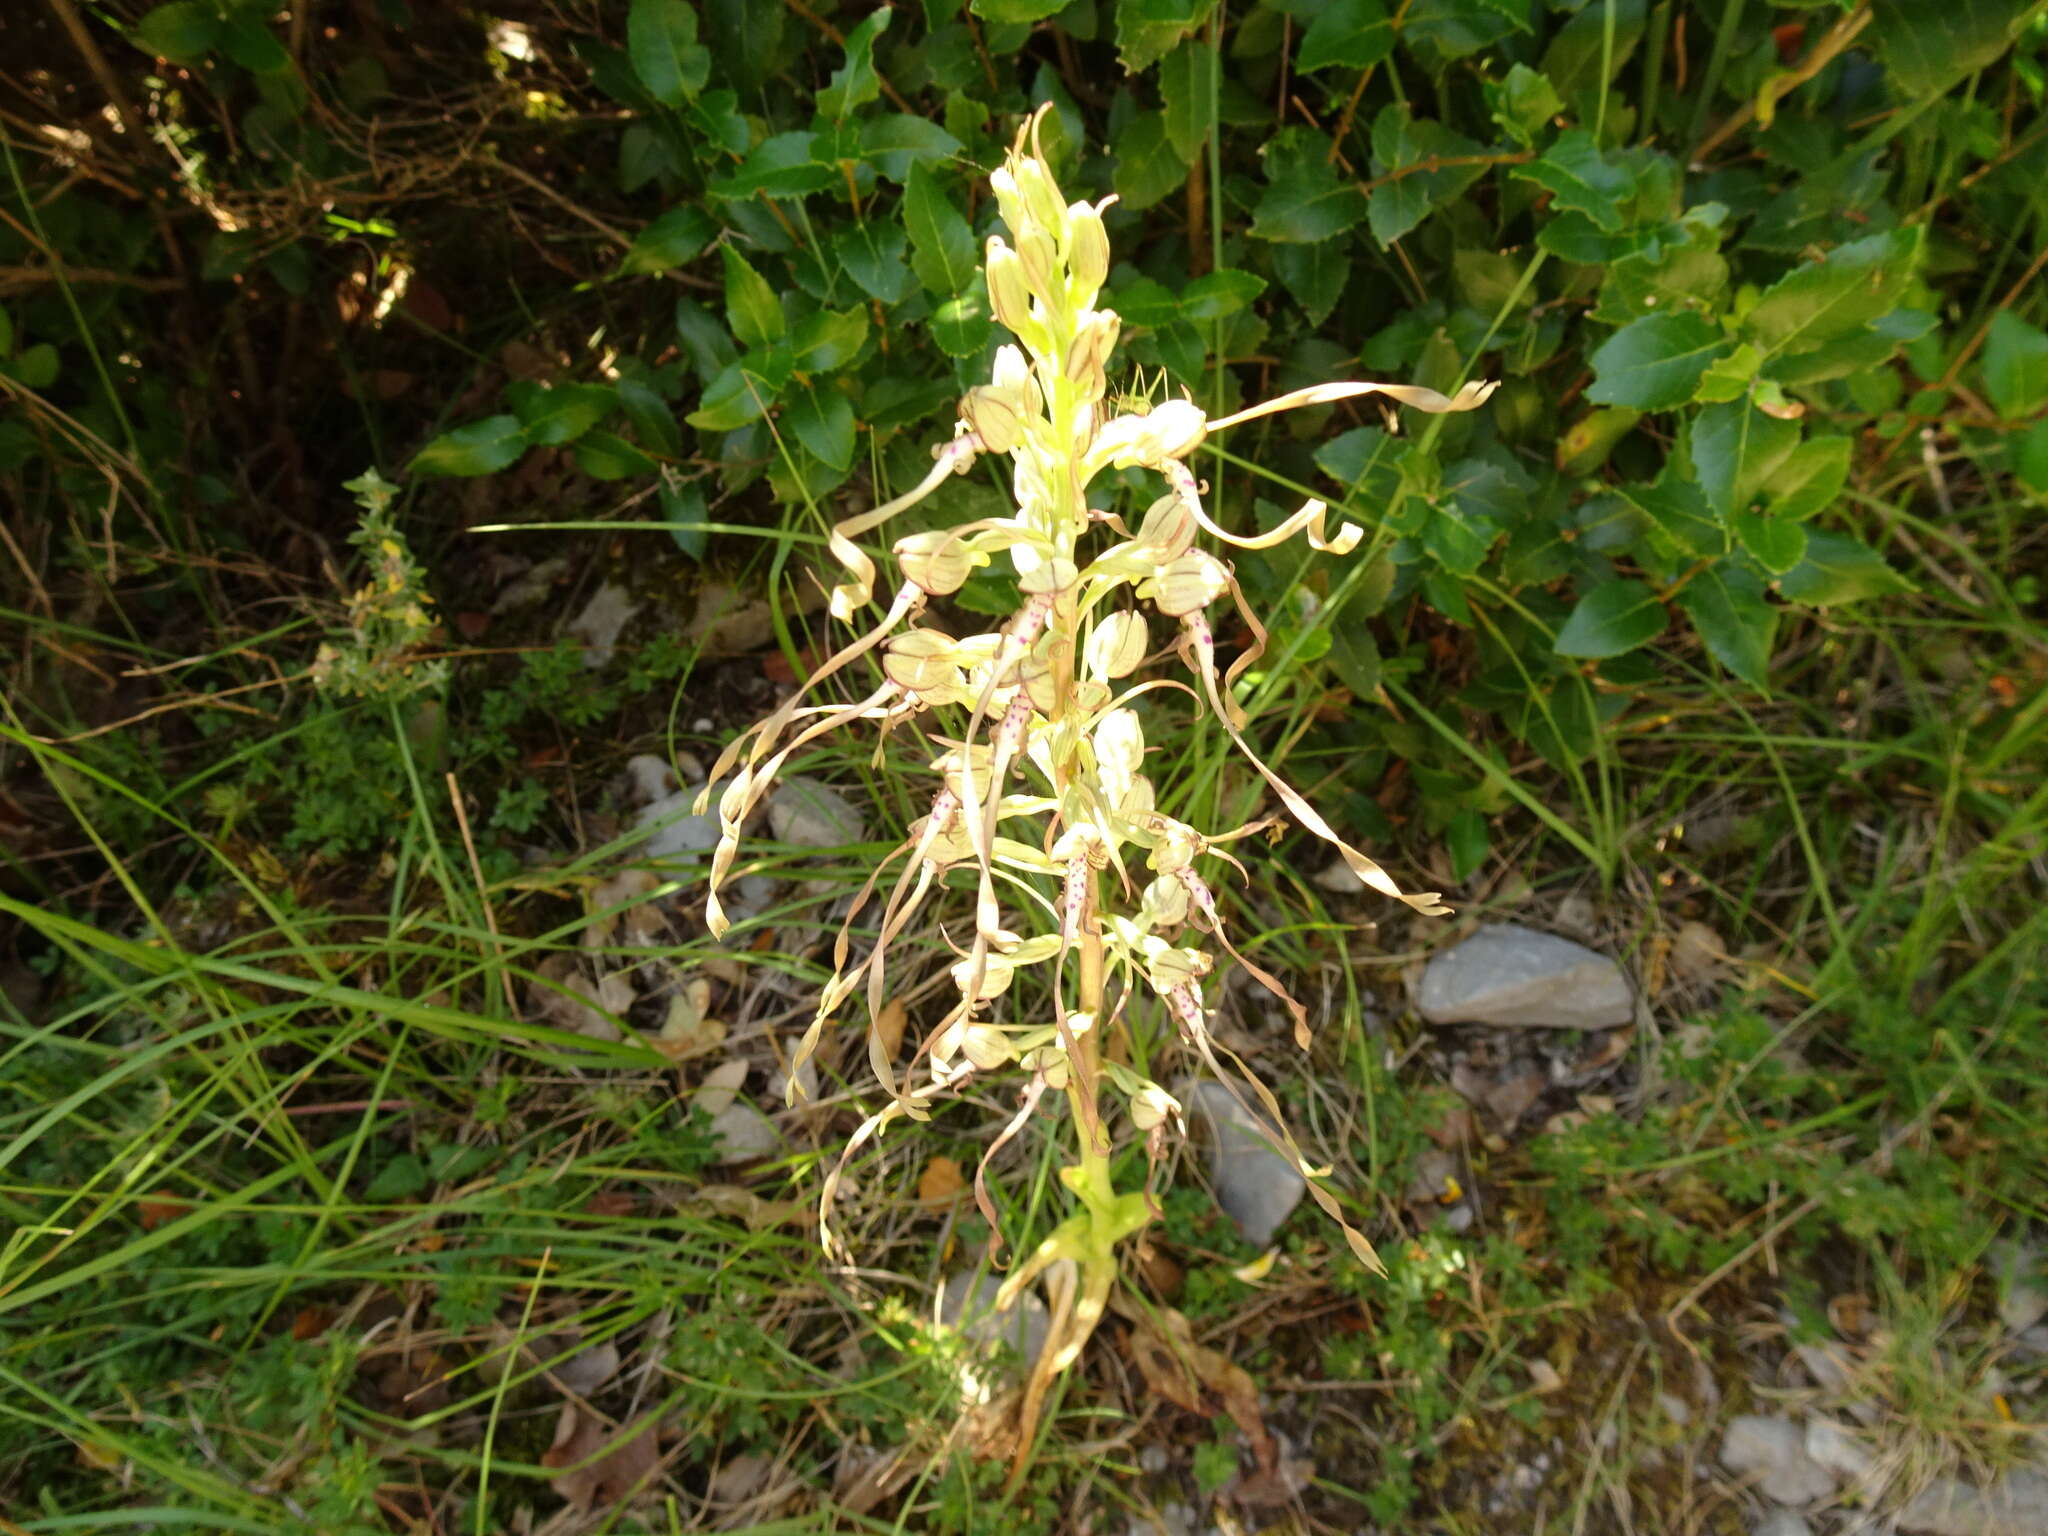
x: 1469, y: 398
x: 849, y: 596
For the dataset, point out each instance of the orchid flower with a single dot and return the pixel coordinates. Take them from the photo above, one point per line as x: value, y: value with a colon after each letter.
x: 1050, y: 739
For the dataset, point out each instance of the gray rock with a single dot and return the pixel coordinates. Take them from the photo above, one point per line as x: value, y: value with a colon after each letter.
x: 2023, y: 1297
x: 807, y: 813
x: 743, y: 1133
x: 1508, y: 974
x: 673, y: 832
x: 1839, y: 1449
x: 1781, y: 1522
x: 1257, y: 1187
x: 1771, y: 1452
x: 2014, y: 1505
x: 968, y: 1304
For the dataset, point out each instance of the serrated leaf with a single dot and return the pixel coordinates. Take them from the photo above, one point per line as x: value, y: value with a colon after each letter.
x: 1148, y: 167
x: 1729, y: 378
x: 1928, y: 46
x: 183, y: 32
x: 854, y: 83
x: 786, y: 166
x: 2015, y: 366
x: 1581, y: 178
x: 828, y: 339
x: 1306, y: 202
x: 1430, y: 164
x: 1314, y: 275
x: 1219, y: 293
x: 605, y: 455
x: 249, y: 42
x: 1839, y: 569
x: 481, y: 448
x: 1773, y: 543
x: 1655, y: 363
x: 1017, y: 12
x: 1345, y: 34
x: 941, y: 242
x: 961, y: 325
x: 747, y: 37
x: 1524, y: 103
x: 1853, y: 286
x: 661, y: 40
x: 1680, y: 512
x: 1810, y: 478
x: 821, y: 418
x: 896, y: 142
x: 875, y: 256
x: 731, y: 400
x: 1614, y: 617
x: 707, y: 343
x: 1735, y: 449
x: 558, y: 415
x: 1188, y: 87
x: 672, y: 240
x: 654, y: 421
x: 1147, y: 30
x: 751, y: 308
x: 1728, y: 608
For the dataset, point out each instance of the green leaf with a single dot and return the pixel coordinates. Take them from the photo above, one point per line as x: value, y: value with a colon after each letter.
x: 1730, y: 377
x: 786, y: 166
x: 1307, y: 202
x: 661, y: 40
x: 247, y: 41
x: 875, y: 256
x: 941, y: 242
x: 896, y: 142
x: 707, y: 343
x: 183, y: 32
x: 1524, y: 103
x: 1017, y: 12
x: 1147, y: 30
x: 559, y: 415
x: 6, y: 333
x: 1314, y: 275
x: 481, y: 448
x: 1853, y: 286
x: 1188, y: 86
x: 1773, y: 543
x: 1839, y: 569
x: 35, y: 368
x: 399, y: 1179
x: 747, y: 37
x: 1148, y: 167
x: 821, y: 418
x: 1680, y: 512
x: 674, y: 239
x: 828, y: 339
x: 683, y: 509
x: 1345, y: 34
x: 2030, y: 458
x: 1928, y: 45
x: 961, y: 325
x: 751, y: 308
x: 1655, y: 363
x: 1735, y: 449
x: 1614, y: 617
x: 731, y: 400
x: 854, y: 83
x: 1183, y: 350
x: 654, y: 422
x: 1581, y: 178
x: 1415, y: 151
x: 1672, y: 277
x: 1727, y: 606
x: 2015, y: 366
x: 607, y: 456
x: 1465, y: 836
x: 1809, y: 479
x: 1219, y: 293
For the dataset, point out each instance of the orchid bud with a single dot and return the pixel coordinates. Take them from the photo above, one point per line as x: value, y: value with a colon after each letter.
x: 1153, y: 1105
x: 1186, y: 585
x: 1044, y: 208
x: 1117, y: 645
x: 1009, y: 295
x: 1087, y: 250
x: 939, y: 561
x: 921, y: 661
x: 990, y: 412
x: 1040, y: 260
x: 1088, y: 358
x: 1165, y: 903
x: 1168, y: 529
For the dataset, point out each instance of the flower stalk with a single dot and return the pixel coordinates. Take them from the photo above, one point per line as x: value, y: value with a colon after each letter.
x: 1041, y: 803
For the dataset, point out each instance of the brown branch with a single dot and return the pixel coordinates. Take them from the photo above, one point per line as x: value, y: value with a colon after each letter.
x: 96, y: 61
x: 15, y: 279
x: 1440, y: 162
x: 1776, y: 87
